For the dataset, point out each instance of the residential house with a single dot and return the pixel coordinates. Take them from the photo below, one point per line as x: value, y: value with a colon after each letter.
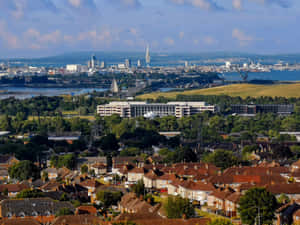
x: 136, y: 174
x: 7, y: 161
x: 40, y: 209
x: 291, y: 190
x: 19, y: 221
x: 91, y: 186
x: 13, y: 189
x: 232, y: 204
x: 54, y: 173
x: 99, y: 168
x: 89, y: 161
x: 90, y: 210
x: 216, y: 200
x: 195, y: 191
x: 131, y: 204
x: 79, y: 220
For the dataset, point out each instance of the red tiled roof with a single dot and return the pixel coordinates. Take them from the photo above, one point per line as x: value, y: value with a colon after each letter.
x: 13, y: 187
x: 194, y: 221
x: 90, y: 183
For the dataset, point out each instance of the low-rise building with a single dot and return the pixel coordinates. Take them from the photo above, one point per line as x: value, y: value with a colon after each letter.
x: 136, y: 109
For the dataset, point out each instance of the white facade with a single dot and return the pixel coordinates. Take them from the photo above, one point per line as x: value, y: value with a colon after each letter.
x: 135, y: 109
x: 73, y: 68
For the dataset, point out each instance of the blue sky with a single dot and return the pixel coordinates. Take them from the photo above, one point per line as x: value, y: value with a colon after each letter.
x: 32, y: 28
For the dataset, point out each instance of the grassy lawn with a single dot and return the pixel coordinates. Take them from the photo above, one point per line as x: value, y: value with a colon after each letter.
x: 242, y: 90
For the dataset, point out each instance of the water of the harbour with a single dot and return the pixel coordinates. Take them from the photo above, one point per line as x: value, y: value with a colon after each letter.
x: 23, y: 93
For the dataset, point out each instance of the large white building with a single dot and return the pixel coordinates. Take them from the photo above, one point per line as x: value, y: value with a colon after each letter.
x: 136, y: 109
x: 73, y: 68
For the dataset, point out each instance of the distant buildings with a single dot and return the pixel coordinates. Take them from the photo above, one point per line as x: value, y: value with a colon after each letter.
x: 73, y: 68
x: 148, y: 58
x: 114, y: 87
x: 136, y: 109
x: 128, y: 63
x: 93, y: 62
x: 254, y: 109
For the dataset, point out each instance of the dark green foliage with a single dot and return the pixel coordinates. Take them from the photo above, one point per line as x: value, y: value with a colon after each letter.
x: 84, y: 169
x: 177, y: 207
x: 257, y: 202
x: 64, y: 197
x: 68, y: 161
x: 28, y: 193
x: 221, y: 158
x: 24, y: 170
x: 138, y: 188
x: 64, y: 212
x: 132, y: 151
x: 109, y: 143
x: 109, y: 198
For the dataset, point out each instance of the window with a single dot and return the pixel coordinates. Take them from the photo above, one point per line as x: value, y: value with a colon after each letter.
x: 22, y: 214
x: 35, y: 214
x: 8, y: 215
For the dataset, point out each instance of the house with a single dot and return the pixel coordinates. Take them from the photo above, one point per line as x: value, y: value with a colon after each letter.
x: 130, y: 203
x: 54, y: 173
x: 7, y: 161
x: 50, y: 186
x: 91, y: 210
x: 91, y: 161
x: 13, y: 189
x: 124, y: 160
x: 291, y: 190
x: 91, y: 186
x: 156, y: 179
x: 40, y: 209
x: 173, y: 187
x: 136, y: 174
x: 193, y: 221
x: 18, y: 221
x: 195, y: 191
x: 232, y: 204
x: 79, y: 220
x: 99, y: 168
x: 216, y: 200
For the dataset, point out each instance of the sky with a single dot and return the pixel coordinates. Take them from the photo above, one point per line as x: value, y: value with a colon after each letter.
x: 36, y: 28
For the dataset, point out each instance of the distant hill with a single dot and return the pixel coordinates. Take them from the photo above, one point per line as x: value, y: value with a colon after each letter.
x: 242, y: 90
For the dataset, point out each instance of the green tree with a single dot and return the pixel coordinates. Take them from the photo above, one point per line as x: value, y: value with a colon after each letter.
x: 24, y: 170
x: 221, y: 158
x: 257, y: 204
x: 220, y: 222
x: 131, y: 151
x: 283, y: 199
x: 177, y: 207
x: 84, y: 169
x: 109, y: 143
x: 28, y: 193
x: 68, y: 161
x: 109, y: 198
x: 64, y: 212
x: 138, y: 188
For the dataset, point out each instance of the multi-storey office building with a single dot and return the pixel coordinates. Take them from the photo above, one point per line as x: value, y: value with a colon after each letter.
x: 136, y: 109
x: 254, y: 109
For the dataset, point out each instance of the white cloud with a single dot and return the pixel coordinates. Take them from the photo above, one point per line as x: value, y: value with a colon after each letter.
x: 169, y: 41
x: 202, y: 4
x: 7, y: 37
x: 181, y: 35
x: 208, y: 40
x: 281, y: 3
x: 241, y: 37
x: 237, y: 4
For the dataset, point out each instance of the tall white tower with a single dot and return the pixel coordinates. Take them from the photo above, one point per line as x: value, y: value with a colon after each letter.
x: 148, y: 58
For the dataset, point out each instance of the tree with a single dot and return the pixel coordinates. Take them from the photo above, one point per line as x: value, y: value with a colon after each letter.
x: 220, y: 222
x: 257, y: 204
x: 138, y: 188
x: 221, y: 158
x: 184, y: 154
x: 177, y: 207
x: 109, y: 143
x: 64, y: 197
x: 24, y: 170
x: 109, y: 198
x: 283, y: 199
x: 131, y: 151
x: 28, y: 193
x: 68, y: 161
x: 64, y: 212
x: 84, y: 169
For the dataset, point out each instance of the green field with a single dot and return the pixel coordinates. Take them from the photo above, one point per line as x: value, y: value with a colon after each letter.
x: 242, y: 90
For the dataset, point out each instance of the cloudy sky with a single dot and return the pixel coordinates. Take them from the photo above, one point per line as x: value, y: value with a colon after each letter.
x: 32, y: 28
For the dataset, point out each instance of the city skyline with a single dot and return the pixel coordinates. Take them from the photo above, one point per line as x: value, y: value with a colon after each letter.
x: 37, y: 28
